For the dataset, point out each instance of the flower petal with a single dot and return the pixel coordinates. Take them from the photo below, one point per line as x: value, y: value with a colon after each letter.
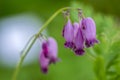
x: 89, y: 30
x: 44, y: 62
x: 53, y: 50
x: 68, y: 34
x: 78, y: 40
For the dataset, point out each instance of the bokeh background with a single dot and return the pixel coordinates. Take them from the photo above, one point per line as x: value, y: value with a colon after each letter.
x: 20, y: 19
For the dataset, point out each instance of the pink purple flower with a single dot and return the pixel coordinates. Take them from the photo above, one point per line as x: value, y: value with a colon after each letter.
x: 52, y: 50
x: 89, y: 30
x: 48, y: 53
x: 68, y: 34
x: 80, y: 34
x: 44, y: 62
x: 78, y: 39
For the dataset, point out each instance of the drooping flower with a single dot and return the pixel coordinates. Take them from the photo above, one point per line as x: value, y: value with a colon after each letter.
x: 50, y: 49
x: 78, y: 39
x: 44, y: 62
x: 89, y: 30
x: 68, y: 34
x: 48, y: 54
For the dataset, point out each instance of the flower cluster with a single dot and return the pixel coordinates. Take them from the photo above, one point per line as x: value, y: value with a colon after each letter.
x: 48, y: 54
x: 80, y: 35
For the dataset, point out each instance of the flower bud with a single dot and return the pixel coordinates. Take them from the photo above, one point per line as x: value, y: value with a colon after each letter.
x: 78, y: 39
x: 48, y: 54
x: 52, y: 50
x: 44, y: 62
x: 68, y: 34
x: 89, y: 30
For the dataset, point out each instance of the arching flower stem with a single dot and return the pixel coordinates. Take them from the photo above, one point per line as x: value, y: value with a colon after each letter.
x: 32, y: 41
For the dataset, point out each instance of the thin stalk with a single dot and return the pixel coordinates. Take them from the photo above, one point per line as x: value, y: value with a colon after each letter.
x: 23, y: 55
x: 91, y: 57
x: 29, y: 46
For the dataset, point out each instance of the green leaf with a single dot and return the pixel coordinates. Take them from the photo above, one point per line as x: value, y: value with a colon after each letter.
x: 99, y: 68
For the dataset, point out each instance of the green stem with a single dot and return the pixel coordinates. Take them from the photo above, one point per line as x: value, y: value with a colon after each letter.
x: 91, y: 57
x: 51, y: 18
x: 23, y: 55
x: 29, y: 46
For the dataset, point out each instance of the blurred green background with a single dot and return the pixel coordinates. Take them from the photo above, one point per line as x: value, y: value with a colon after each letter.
x: 106, y: 14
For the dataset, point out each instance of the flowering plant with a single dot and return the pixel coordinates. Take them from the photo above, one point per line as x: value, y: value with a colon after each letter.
x: 80, y: 37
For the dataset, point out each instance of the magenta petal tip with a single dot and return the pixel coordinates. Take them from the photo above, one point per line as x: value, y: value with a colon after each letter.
x: 45, y: 70
x: 79, y: 52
